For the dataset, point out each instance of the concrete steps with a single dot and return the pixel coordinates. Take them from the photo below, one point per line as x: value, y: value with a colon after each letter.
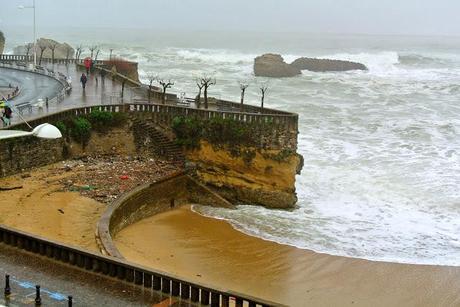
x: 161, y: 144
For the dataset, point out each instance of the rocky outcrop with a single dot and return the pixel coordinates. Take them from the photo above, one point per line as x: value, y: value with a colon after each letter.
x: 323, y: 65
x: 126, y: 68
x: 273, y: 65
x: 268, y: 180
x: 61, y: 51
x: 2, y: 42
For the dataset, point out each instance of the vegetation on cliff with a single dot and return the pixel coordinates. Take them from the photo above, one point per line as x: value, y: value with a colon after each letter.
x: 217, y: 131
x: 80, y: 128
x: 239, y: 138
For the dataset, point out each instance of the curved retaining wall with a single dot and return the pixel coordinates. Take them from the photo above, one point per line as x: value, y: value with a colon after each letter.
x: 150, y: 199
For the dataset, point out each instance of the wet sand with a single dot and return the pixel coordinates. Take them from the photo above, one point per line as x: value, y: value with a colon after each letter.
x: 211, y: 251
x: 39, y: 208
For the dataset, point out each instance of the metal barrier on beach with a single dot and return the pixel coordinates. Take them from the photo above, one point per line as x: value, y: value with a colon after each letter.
x: 146, y: 278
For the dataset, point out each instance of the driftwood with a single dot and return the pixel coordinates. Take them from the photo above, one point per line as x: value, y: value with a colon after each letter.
x: 10, y: 188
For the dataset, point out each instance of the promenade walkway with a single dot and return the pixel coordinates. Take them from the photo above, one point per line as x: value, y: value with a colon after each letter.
x: 36, y: 86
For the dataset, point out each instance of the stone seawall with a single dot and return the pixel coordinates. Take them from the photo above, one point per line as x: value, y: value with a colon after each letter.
x: 150, y: 199
x: 22, y: 154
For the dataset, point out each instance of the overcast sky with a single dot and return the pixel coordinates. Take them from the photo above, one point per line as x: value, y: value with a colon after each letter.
x: 419, y: 17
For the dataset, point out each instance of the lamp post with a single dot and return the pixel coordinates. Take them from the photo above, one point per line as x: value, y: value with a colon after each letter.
x: 43, y: 131
x: 35, y: 32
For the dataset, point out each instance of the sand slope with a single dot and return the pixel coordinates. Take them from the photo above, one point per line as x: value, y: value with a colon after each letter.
x: 211, y: 251
x: 40, y: 209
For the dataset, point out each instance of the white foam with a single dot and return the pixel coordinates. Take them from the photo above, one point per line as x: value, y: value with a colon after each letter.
x: 381, y: 149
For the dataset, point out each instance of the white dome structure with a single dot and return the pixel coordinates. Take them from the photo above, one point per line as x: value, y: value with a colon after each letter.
x: 47, y: 131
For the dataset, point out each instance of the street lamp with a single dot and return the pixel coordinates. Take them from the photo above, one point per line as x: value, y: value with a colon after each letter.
x: 43, y: 131
x: 35, y: 32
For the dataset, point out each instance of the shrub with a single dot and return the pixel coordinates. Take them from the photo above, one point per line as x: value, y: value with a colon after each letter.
x: 100, y: 119
x: 227, y: 131
x: 81, y: 130
x: 62, y: 127
x: 188, y: 131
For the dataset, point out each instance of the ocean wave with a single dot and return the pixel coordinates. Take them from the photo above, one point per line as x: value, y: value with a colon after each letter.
x: 375, y: 62
x: 216, y: 56
x: 386, y: 188
x: 421, y: 60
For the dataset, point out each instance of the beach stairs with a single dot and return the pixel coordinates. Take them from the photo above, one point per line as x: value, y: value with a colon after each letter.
x: 154, y: 139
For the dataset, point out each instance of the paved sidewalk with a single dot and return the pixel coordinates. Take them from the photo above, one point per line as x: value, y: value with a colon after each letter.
x: 35, y: 86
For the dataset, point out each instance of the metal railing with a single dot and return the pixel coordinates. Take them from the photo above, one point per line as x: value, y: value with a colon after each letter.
x: 146, y: 278
x: 29, y: 58
x: 61, y: 78
x: 166, y: 113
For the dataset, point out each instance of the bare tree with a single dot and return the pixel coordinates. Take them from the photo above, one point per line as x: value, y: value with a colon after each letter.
x: 28, y: 47
x: 53, y: 48
x: 123, y: 81
x: 79, y: 50
x: 198, y: 97
x: 206, y: 82
x: 42, y: 49
x: 151, y: 79
x: 97, y: 54
x: 67, y: 54
x: 92, y: 49
x: 263, y: 89
x: 243, y: 87
x: 165, y: 84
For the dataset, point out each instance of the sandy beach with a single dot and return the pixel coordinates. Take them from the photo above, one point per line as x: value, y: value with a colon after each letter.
x: 209, y: 250
x: 39, y: 207
x: 64, y: 201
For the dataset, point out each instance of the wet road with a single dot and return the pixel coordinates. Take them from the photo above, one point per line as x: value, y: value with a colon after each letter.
x: 58, y: 281
x: 32, y: 86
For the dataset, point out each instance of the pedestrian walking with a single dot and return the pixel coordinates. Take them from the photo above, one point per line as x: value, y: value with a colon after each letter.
x: 6, y: 116
x: 83, y: 80
x: 87, y: 62
x: 102, y: 74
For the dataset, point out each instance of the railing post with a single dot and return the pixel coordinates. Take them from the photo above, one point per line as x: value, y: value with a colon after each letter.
x: 204, y: 297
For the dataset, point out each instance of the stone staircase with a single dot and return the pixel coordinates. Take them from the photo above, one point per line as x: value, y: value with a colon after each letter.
x: 152, y: 138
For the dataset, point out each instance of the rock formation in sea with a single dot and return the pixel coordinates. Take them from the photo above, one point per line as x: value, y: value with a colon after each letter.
x: 62, y: 50
x: 322, y: 65
x: 273, y: 65
x: 2, y: 42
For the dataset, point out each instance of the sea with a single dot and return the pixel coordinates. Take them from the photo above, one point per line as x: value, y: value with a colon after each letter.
x: 381, y: 179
